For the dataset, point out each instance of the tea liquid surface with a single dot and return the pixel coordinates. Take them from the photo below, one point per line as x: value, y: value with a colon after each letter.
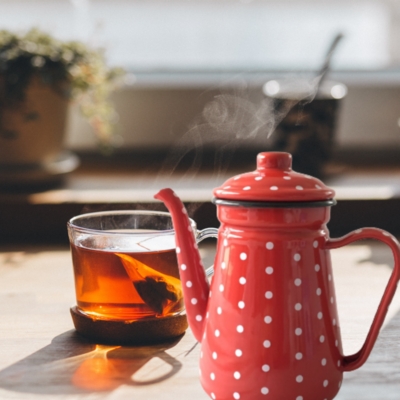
x: 126, y: 285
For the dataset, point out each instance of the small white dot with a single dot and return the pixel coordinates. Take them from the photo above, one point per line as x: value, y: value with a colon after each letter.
x: 207, y: 315
x: 242, y: 280
x: 298, y: 331
x: 319, y: 315
x: 318, y: 187
x: 243, y: 256
x: 323, y: 361
x: 269, y: 245
x: 358, y: 231
x: 322, y: 338
x: 265, y: 368
x: 338, y: 363
x: 236, y: 178
x: 317, y: 267
x: 247, y: 188
x: 217, y: 333
x: 299, y: 356
x: 315, y: 244
x: 269, y: 295
x: 236, y: 396
x: 225, y: 242
x: 223, y: 265
x: 219, y: 310
x: 297, y: 282
x: 288, y: 178
x: 193, y: 301
x: 297, y: 257
x: 334, y: 321
x: 269, y: 270
x: 183, y: 267
x: 326, y: 383
x: 274, y: 187
x: 319, y: 291
x: 213, y: 396
x: 212, y: 376
x: 299, y: 398
x: 178, y: 250
x: 267, y: 344
x: 221, y: 288
x: 297, y: 306
x: 299, y: 187
x: 299, y: 378
x: 238, y: 353
x: 258, y: 178
x: 267, y: 319
x: 214, y: 355
x: 241, y: 305
x: 240, y: 328
x: 199, y: 318
x: 264, y: 390
x: 236, y: 375
x: 189, y: 284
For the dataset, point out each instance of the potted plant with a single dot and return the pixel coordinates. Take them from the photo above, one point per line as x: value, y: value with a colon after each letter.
x: 39, y: 77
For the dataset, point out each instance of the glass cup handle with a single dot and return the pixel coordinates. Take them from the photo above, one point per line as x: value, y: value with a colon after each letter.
x: 204, y: 234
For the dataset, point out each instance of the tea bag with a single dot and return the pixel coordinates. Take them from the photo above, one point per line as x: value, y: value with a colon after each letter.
x: 159, y: 291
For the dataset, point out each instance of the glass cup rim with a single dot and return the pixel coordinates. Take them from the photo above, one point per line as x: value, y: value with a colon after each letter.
x: 72, y: 225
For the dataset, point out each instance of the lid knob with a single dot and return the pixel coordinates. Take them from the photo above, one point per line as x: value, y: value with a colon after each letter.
x: 274, y: 160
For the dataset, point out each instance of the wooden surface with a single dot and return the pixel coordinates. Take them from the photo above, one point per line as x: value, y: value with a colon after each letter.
x: 43, y: 357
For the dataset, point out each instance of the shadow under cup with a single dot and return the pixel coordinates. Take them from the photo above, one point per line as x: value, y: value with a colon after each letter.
x: 125, y: 265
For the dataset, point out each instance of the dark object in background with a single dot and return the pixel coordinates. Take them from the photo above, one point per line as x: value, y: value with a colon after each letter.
x: 306, y: 124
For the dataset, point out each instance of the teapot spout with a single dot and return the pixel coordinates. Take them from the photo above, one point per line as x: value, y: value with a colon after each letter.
x: 193, y: 277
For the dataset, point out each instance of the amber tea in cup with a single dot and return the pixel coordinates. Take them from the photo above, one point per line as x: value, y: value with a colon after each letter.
x: 125, y: 265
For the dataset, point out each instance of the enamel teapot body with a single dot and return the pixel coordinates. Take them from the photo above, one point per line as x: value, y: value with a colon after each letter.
x: 268, y: 324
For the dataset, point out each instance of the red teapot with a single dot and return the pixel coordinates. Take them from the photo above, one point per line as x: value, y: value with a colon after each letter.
x: 268, y: 323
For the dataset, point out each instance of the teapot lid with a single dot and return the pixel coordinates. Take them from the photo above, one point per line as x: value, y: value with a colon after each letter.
x: 274, y: 181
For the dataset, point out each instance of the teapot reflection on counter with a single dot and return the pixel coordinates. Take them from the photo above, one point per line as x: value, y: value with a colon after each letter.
x: 268, y: 324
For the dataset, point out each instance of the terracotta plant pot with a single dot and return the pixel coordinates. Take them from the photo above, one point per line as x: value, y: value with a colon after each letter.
x: 32, y: 131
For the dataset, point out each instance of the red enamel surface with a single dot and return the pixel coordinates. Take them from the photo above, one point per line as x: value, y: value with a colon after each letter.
x: 274, y: 180
x: 194, y: 281
x: 272, y: 314
x: 270, y: 328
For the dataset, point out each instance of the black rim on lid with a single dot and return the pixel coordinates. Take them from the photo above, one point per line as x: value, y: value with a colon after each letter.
x: 274, y: 204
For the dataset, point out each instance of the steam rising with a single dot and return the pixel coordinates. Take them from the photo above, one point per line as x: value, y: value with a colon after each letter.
x: 230, y: 120
x: 238, y: 116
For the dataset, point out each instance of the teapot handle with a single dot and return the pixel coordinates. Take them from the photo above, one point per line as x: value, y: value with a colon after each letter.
x: 204, y: 234
x: 354, y: 361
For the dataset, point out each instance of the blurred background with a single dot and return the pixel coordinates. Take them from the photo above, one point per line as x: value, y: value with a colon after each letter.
x: 191, y: 64
x: 179, y: 53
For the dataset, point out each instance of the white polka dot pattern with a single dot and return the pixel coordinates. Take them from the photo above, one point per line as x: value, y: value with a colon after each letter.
x: 264, y: 280
x: 239, y: 283
x: 273, y: 182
